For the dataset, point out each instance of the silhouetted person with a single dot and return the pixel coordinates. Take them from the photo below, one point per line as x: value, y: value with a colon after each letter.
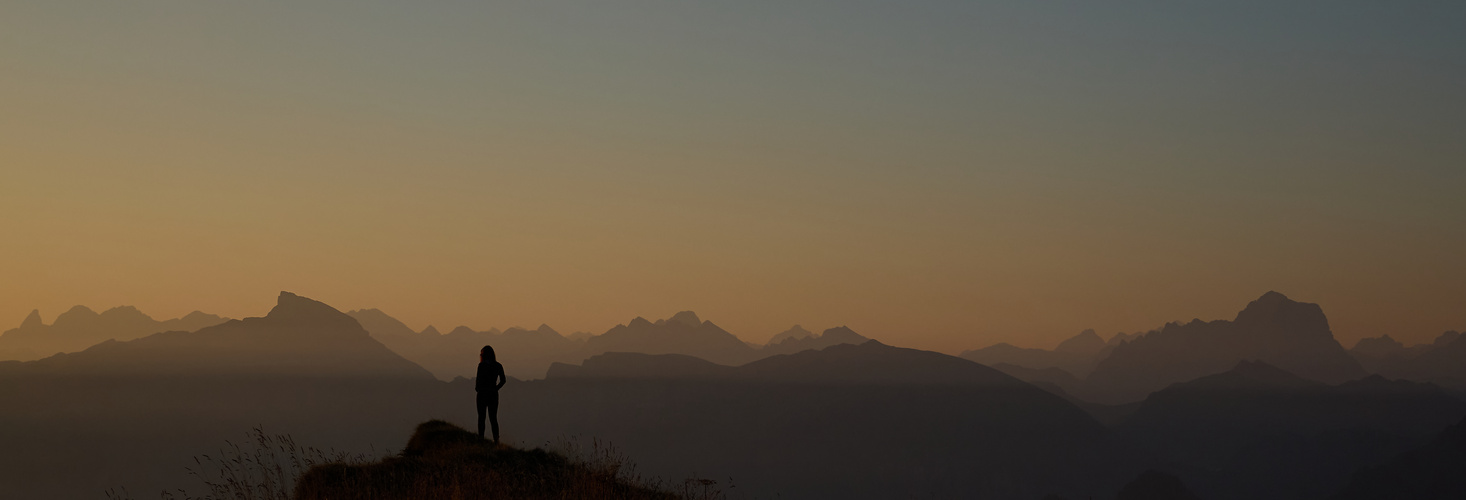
x: 490, y: 379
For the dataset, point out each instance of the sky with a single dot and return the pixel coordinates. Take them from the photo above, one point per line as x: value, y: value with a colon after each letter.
x: 934, y: 174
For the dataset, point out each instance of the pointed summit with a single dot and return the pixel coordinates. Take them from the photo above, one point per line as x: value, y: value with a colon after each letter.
x: 296, y: 309
x: 1087, y: 343
x: 639, y: 322
x: 688, y: 318
x: 431, y: 330
x: 32, y: 321
x: 544, y: 328
x: 795, y: 332
x: 841, y: 335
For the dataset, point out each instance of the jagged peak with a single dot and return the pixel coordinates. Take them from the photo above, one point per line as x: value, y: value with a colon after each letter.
x: 688, y: 318
x: 430, y: 330
x: 1085, y: 341
x: 842, y: 332
x: 639, y: 322
x: 33, y: 320
x: 1380, y: 343
x: 292, y: 305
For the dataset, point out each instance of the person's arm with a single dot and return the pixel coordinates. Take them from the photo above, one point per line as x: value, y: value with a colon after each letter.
x: 502, y: 378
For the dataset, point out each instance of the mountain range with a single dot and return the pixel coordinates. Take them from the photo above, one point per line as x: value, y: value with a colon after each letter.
x: 1291, y: 335
x: 852, y: 418
x: 80, y: 328
x: 528, y: 354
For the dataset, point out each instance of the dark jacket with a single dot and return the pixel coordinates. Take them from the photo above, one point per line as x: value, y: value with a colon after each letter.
x: 489, y: 373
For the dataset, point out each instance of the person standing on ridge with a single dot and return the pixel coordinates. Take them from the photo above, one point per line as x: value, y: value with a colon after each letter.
x: 490, y: 379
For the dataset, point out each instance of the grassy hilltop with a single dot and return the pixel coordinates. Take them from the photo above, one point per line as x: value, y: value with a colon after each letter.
x: 442, y: 460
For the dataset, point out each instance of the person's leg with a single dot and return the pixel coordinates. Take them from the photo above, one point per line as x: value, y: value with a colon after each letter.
x: 493, y: 415
x: 481, y: 401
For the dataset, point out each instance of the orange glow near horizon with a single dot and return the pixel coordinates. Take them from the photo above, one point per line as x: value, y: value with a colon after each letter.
x: 494, y: 166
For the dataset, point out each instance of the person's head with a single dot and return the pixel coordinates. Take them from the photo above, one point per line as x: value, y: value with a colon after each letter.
x: 487, y: 354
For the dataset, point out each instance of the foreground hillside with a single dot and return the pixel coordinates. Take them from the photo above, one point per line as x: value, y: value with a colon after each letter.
x: 445, y: 461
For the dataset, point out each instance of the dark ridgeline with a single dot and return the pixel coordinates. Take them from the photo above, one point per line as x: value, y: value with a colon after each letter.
x: 80, y: 328
x: 790, y: 342
x: 683, y: 333
x: 1258, y: 432
x: 848, y: 421
x: 131, y: 414
x: 844, y: 421
x: 1442, y: 361
x: 1075, y: 356
x: 527, y: 354
x: 1431, y: 472
x: 1291, y: 335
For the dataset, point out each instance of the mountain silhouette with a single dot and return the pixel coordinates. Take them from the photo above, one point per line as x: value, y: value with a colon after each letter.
x: 795, y: 332
x: 832, y: 336
x: 299, y: 337
x: 1291, y: 335
x: 525, y: 353
x: 1431, y: 472
x: 1259, y: 432
x: 847, y: 421
x: 1076, y: 355
x: 1442, y: 362
x: 382, y: 327
x: 683, y: 333
x: 80, y: 328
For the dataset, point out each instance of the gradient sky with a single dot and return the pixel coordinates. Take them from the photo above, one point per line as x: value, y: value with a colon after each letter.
x: 935, y: 174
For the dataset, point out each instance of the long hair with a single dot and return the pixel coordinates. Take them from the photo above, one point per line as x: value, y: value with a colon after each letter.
x: 487, y: 354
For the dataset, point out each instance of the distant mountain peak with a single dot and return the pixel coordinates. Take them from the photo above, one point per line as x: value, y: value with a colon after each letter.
x: 1086, y: 342
x: 688, y: 318
x: 545, y: 328
x: 431, y: 330
x: 293, y: 308
x: 1298, y: 320
x: 843, y: 334
x: 291, y: 305
x: 1266, y: 307
x: 639, y: 322
x: 462, y: 330
x: 1446, y: 338
x: 77, y: 312
x: 795, y: 332
x: 33, y: 320
x: 1383, y: 344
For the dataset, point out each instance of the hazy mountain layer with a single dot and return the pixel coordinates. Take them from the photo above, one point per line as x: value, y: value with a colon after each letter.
x: 528, y: 354
x: 80, y: 328
x: 1259, y: 432
x: 1291, y: 335
x: 848, y: 421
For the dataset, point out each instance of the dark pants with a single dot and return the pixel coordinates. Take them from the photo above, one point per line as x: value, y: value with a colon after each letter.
x: 488, y: 402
